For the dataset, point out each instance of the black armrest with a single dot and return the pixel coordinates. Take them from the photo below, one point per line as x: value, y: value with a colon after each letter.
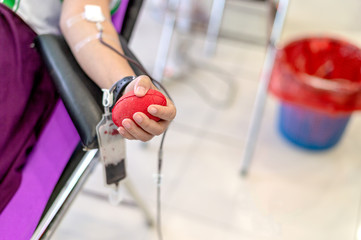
x: 81, y: 96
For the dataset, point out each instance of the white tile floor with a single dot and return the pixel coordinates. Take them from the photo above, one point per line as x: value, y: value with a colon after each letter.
x: 290, y: 193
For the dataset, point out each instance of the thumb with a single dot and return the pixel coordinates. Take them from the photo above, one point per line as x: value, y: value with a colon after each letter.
x: 142, y: 85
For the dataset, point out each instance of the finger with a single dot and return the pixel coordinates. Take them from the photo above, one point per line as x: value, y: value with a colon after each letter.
x: 142, y: 85
x: 125, y: 134
x: 167, y: 113
x: 135, y: 131
x: 150, y: 126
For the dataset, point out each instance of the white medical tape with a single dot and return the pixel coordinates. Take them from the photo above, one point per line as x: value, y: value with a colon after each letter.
x: 71, y: 21
x: 92, y: 13
x: 82, y: 43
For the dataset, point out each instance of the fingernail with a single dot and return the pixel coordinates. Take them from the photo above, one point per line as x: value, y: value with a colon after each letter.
x: 140, y: 90
x: 152, y: 110
x: 121, y: 130
x: 126, y: 123
x: 138, y: 118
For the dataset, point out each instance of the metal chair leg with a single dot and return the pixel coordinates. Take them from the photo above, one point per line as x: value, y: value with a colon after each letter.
x: 56, y: 212
x: 165, y: 40
x: 214, y: 26
x: 257, y: 113
x: 52, y: 218
x: 261, y: 96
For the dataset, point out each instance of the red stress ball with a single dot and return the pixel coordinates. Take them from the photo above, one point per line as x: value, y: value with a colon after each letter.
x: 129, y: 104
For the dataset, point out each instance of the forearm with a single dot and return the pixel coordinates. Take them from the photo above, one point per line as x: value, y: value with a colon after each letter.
x: 105, y: 67
x: 101, y: 64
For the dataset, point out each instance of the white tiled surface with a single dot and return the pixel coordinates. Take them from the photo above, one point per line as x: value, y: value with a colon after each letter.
x: 290, y: 193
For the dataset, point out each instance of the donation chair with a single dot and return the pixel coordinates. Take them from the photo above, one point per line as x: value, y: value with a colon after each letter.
x: 66, y: 151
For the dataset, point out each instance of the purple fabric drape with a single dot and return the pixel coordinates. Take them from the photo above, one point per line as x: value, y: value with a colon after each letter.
x: 39, y: 176
x: 118, y: 16
x: 27, y: 98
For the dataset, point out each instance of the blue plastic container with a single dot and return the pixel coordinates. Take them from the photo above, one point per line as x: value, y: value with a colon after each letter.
x: 311, y: 129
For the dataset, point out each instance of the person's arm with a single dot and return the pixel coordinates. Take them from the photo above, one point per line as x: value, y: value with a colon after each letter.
x: 105, y: 67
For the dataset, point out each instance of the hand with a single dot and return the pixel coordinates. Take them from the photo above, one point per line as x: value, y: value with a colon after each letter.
x: 147, y: 128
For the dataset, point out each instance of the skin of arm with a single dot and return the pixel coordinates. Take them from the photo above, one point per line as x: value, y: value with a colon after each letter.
x: 105, y: 67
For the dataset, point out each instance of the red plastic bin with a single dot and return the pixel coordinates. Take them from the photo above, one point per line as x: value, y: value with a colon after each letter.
x: 316, y: 78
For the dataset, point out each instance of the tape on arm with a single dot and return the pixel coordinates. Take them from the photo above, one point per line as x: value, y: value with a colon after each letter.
x: 92, y: 13
x: 90, y: 38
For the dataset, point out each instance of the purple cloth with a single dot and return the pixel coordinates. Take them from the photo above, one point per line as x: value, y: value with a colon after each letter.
x: 118, y: 16
x: 40, y: 175
x: 32, y: 157
x: 27, y: 98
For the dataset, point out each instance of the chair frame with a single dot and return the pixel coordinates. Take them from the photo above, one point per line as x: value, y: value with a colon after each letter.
x: 82, y: 163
